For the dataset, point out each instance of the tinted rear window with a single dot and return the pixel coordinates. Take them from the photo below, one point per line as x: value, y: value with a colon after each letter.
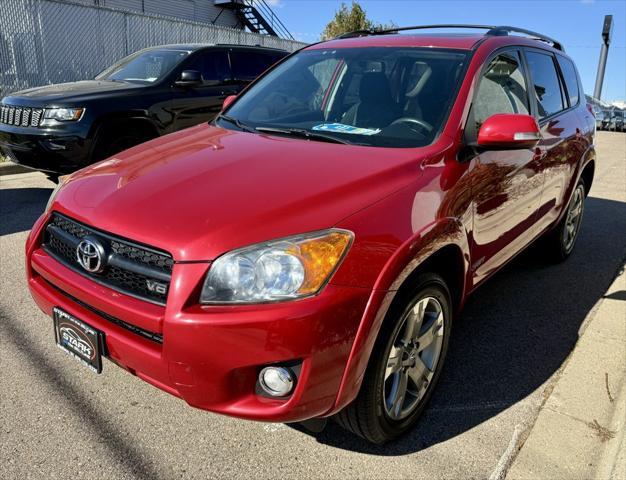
x: 546, y: 83
x: 571, y: 79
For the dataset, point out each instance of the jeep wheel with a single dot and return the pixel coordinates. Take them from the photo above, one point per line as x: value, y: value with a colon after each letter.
x: 114, y: 139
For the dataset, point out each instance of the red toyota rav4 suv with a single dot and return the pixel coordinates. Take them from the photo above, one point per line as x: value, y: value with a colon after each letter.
x: 304, y: 255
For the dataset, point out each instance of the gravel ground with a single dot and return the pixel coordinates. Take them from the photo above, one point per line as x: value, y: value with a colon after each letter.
x: 57, y: 419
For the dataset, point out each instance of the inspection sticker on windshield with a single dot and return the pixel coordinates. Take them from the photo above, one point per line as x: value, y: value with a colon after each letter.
x: 341, y: 128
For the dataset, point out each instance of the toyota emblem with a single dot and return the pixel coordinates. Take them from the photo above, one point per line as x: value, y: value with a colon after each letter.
x: 90, y: 255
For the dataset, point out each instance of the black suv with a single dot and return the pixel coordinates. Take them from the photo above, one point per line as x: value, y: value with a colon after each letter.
x: 158, y: 90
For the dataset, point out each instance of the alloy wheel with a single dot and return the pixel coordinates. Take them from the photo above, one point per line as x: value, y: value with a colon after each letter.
x: 413, y: 358
x: 573, y: 218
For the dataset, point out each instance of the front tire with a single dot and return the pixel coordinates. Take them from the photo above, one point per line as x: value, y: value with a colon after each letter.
x: 112, y: 139
x: 405, y: 364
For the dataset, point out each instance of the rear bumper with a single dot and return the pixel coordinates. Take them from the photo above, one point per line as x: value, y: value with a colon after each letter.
x: 211, y: 356
x: 48, y: 152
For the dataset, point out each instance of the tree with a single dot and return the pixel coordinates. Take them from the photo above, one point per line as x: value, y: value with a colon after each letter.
x: 350, y: 19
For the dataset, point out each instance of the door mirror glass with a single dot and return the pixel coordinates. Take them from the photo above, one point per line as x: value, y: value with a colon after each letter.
x: 509, y: 130
x: 227, y: 101
x: 189, y: 78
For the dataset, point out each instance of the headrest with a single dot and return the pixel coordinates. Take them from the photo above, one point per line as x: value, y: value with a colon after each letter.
x: 374, y: 87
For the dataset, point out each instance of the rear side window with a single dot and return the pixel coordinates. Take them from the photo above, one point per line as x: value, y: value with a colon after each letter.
x: 502, y: 89
x: 571, y: 79
x: 249, y: 65
x: 546, y: 83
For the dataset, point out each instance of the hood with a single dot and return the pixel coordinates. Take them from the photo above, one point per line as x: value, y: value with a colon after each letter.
x: 69, y: 93
x: 204, y: 191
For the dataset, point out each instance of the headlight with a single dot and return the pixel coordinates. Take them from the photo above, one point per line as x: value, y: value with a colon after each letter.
x: 53, y: 115
x: 62, y: 180
x: 284, y: 269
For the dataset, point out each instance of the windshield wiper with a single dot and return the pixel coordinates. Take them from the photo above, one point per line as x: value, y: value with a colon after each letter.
x: 298, y: 132
x: 236, y: 122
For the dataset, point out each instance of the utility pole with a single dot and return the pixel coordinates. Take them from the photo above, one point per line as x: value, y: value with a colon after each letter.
x: 607, y: 30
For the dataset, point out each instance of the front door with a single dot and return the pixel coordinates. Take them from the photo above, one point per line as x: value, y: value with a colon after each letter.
x: 199, y: 104
x: 506, y: 184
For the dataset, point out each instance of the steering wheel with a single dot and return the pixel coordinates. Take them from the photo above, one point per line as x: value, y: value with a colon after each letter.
x: 417, y: 121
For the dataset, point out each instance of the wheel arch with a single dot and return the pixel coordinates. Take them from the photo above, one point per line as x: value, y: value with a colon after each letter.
x: 135, y: 117
x: 588, y: 173
x: 442, y: 249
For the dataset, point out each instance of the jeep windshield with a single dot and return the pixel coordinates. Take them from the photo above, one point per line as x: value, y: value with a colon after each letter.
x: 144, y: 67
x: 374, y: 96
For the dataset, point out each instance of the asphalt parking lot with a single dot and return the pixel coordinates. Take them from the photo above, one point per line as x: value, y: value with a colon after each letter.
x: 57, y: 419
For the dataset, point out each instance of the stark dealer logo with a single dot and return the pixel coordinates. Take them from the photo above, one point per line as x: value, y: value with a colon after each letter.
x: 72, y: 339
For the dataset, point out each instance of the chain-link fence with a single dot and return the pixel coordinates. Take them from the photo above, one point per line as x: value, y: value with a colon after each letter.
x: 51, y: 41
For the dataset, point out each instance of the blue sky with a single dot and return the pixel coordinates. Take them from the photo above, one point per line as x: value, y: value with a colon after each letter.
x: 576, y: 23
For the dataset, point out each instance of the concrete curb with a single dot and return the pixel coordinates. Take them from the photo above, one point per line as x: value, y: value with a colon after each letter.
x: 579, y: 432
x: 10, y: 168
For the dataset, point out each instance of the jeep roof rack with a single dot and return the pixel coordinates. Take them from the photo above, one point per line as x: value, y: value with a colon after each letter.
x: 492, y: 30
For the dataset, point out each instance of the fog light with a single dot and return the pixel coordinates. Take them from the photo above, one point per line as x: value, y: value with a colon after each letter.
x: 276, y: 381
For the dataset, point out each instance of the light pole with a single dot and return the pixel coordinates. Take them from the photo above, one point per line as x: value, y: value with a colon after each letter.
x: 607, y: 30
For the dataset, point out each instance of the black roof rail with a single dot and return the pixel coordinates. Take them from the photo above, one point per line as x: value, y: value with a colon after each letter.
x: 505, y: 30
x: 493, y: 30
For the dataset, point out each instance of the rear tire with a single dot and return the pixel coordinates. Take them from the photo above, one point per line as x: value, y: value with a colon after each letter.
x: 559, y: 243
x: 405, y: 364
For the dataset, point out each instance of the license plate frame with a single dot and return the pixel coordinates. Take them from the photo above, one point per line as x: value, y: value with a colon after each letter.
x: 78, y: 339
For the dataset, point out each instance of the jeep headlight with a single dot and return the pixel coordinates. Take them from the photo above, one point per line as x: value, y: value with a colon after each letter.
x: 53, y: 115
x: 289, y: 268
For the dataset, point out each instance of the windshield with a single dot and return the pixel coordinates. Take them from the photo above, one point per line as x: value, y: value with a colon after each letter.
x: 144, y: 67
x: 375, y: 96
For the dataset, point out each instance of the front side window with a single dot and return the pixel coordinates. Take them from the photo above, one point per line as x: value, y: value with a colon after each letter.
x: 212, y: 65
x: 546, y: 83
x: 144, y: 67
x: 501, y: 89
x: 375, y: 96
x: 249, y: 65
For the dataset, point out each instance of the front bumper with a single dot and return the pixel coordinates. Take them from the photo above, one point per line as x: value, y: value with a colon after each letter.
x: 52, y: 152
x: 210, y: 356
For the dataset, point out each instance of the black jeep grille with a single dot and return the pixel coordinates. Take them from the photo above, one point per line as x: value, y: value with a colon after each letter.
x: 136, y: 270
x: 20, y: 116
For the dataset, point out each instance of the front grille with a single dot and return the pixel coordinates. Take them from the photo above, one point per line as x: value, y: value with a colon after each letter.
x: 155, y: 337
x: 133, y: 269
x: 20, y: 116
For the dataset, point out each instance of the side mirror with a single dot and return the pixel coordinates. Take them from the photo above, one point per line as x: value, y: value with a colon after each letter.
x: 189, y: 78
x: 227, y: 101
x: 509, y: 130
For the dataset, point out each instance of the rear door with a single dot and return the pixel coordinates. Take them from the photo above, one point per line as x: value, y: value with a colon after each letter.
x: 556, y: 100
x: 506, y: 184
x: 198, y: 104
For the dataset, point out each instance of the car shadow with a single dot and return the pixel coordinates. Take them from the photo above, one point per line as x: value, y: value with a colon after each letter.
x: 129, y: 454
x: 513, y: 335
x: 21, y: 207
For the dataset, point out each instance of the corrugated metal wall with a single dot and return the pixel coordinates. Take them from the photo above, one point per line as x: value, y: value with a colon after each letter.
x: 203, y: 11
x: 51, y: 41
